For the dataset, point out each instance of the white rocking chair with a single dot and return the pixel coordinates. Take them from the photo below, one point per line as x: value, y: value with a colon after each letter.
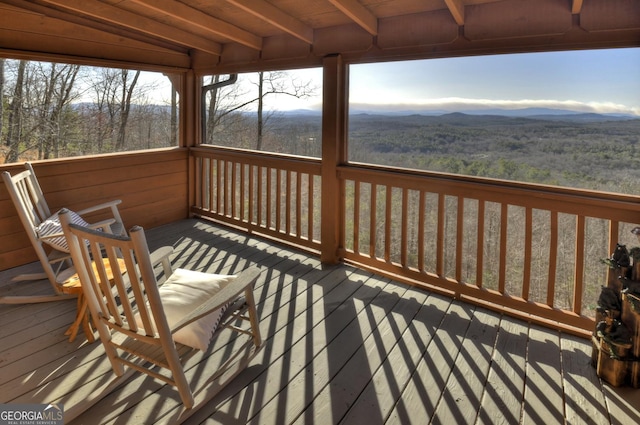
x: 45, y: 234
x: 154, y: 329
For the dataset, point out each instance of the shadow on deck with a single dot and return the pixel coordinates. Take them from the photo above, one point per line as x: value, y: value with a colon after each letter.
x: 341, y: 346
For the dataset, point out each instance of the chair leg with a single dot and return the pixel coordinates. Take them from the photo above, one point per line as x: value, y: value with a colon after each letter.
x: 82, y: 319
x: 72, y: 331
x: 253, y: 318
x: 86, y: 324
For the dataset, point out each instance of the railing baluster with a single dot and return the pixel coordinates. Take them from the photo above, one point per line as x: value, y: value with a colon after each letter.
x: 199, y: 184
x: 234, y: 189
x: 219, y: 186
x: 269, y: 200
x: 459, y: 238
x: 287, y: 202
x: 243, y: 191
x: 278, y: 200
x: 480, y: 243
x: 440, y: 237
x: 403, y: 228
x: 373, y: 222
x: 311, y: 204
x: 614, y: 231
x: 579, y: 265
x: 504, y: 222
x: 528, y: 236
x: 252, y: 193
x: 260, y: 188
x: 356, y: 216
x: 298, y: 204
x: 387, y: 223
x: 553, y: 259
x: 421, y: 224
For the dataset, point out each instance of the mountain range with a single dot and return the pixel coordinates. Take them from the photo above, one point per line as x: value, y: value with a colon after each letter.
x: 547, y: 114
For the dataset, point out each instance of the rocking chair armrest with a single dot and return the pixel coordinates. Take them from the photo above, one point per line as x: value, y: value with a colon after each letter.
x: 243, y: 282
x: 161, y: 256
x: 111, y: 204
x: 104, y: 225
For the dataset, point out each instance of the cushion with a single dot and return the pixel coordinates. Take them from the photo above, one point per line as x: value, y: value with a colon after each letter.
x: 181, y: 294
x: 51, y: 226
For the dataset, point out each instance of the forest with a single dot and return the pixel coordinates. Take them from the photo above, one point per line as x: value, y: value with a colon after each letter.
x: 589, y: 151
x: 53, y: 110
x: 581, y: 151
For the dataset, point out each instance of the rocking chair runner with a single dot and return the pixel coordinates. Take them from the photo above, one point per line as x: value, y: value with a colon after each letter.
x: 44, y: 233
x: 150, y: 327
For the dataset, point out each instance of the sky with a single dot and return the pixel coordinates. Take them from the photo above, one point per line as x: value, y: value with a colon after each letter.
x: 605, y: 81
x: 602, y: 81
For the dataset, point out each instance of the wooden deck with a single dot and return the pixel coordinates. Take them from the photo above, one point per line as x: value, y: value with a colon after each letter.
x: 341, y: 346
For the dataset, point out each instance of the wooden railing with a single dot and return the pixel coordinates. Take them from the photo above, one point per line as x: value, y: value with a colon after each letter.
x: 274, y: 195
x: 531, y: 250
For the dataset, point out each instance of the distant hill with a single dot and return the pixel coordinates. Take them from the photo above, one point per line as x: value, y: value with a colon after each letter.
x: 544, y: 114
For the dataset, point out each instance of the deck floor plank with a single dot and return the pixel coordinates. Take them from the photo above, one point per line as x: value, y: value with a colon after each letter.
x: 418, y: 401
x: 584, y: 397
x: 462, y: 397
x: 543, y: 389
x: 503, y: 396
x: 341, y: 345
x: 375, y: 402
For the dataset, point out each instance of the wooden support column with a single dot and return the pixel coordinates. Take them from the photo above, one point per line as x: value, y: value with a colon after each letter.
x: 189, y: 109
x: 190, y: 125
x: 335, y: 101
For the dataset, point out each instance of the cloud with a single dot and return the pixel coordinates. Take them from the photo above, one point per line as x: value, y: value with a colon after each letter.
x: 455, y: 104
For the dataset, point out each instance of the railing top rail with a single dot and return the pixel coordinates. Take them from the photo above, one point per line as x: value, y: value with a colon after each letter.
x: 269, y: 159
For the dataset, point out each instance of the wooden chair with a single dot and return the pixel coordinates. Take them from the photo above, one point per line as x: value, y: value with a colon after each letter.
x: 154, y: 328
x: 46, y: 236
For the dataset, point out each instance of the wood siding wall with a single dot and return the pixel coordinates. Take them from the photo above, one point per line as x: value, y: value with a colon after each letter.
x: 152, y: 185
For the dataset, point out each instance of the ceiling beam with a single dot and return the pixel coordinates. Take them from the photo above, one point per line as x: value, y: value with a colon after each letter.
x: 123, y: 18
x: 359, y: 14
x: 193, y: 17
x: 456, y: 7
x: 29, y: 6
x: 276, y: 17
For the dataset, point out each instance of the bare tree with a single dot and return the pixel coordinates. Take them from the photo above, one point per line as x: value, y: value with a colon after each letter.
x: 226, y: 104
x: 128, y: 86
x: 278, y: 83
x: 113, y: 93
x: 14, y: 125
x: 58, y: 87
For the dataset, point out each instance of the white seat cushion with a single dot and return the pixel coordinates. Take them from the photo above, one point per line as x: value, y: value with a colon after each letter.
x: 181, y: 293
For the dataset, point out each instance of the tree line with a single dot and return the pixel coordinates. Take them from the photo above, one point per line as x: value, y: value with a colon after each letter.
x: 52, y: 110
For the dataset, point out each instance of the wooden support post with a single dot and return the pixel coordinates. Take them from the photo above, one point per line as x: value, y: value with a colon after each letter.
x: 334, y: 153
x: 190, y: 134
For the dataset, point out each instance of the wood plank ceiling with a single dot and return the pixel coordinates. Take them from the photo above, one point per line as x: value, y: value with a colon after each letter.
x: 242, y: 35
